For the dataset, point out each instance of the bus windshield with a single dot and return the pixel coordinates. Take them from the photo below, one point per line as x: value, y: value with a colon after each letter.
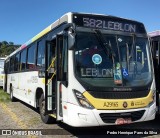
x: 117, y: 60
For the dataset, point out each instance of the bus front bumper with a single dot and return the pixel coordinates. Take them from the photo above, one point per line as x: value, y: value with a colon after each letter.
x: 80, y: 117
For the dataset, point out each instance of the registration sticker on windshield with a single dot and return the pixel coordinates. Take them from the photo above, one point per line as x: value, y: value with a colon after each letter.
x: 117, y: 74
x: 97, y: 59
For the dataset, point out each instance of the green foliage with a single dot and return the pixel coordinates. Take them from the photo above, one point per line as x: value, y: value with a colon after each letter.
x: 7, y: 48
x: 4, y: 43
x: 4, y: 97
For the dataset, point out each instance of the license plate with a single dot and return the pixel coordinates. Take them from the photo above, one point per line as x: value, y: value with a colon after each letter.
x: 121, y: 121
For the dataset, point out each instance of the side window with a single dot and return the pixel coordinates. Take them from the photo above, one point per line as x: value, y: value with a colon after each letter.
x: 65, y: 58
x: 12, y: 64
x: 23, y: 60
x: 16, y: 63
x: 8, y: 66
x: 40, y: 54
x: 62, y: 58
x: 31, y: 57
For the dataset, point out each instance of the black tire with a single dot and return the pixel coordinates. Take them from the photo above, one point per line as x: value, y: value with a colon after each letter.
x: 13, y: 99
x: 45, y: 118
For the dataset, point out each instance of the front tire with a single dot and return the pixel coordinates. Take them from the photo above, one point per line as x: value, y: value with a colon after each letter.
x: 45, y: 118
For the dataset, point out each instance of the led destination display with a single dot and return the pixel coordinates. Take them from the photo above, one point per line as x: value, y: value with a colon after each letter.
x: 108, y: 23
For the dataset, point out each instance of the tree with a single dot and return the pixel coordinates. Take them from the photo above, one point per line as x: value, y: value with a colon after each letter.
x: 7, y: 48
x: 4, y: 43
x: 0, y: 44
x: 11, y: 43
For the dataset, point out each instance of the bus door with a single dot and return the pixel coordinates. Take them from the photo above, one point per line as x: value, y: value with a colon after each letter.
x: 62, y: 71
x: 156, y: 61
x: 50, y: 77
x: 56, y: 74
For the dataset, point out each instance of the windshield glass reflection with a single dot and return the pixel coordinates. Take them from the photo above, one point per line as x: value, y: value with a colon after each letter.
x: 120, y: 61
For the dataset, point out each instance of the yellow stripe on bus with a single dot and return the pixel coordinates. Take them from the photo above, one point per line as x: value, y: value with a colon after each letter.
x: 43, y: 81
x: 119, y: 103
x: 53, y: 115
x: 41, y: 33
x: 1, y: 76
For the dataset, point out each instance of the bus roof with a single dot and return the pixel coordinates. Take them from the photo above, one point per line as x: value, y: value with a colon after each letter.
x: 154, y: 33
x: 62, y: 19
x: 65, y: 18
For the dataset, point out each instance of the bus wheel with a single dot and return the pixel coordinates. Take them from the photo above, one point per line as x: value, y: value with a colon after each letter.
x: 11, y: 94
x: 45, y: 118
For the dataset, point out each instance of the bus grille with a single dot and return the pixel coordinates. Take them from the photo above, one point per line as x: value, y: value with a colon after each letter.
x: 119, y: 95
x: 112, y: 117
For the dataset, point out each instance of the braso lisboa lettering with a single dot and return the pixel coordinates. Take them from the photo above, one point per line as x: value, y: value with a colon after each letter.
x: 109, y: 25
x: 93, y: 72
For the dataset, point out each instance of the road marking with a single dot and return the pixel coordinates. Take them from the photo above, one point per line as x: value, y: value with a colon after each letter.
x: 15, y: 118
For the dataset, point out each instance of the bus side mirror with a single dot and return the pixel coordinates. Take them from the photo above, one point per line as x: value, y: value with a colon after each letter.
x: 71, y: 39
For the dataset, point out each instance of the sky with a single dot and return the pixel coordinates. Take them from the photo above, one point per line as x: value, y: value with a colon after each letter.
x: 20, y: 20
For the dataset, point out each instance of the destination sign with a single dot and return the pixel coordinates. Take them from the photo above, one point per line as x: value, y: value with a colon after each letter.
x: 108, y: 23
x: 93, y: 72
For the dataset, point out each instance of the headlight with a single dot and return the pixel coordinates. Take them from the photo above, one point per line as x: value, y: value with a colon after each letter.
x: 82, y: 100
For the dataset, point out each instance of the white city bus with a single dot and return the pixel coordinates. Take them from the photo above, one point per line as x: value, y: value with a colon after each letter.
x: 155, y: 40
x: 86, y: 70
x: 2, y: 71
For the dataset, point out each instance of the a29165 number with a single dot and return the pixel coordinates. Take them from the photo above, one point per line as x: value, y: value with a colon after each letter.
x: 110, y: 104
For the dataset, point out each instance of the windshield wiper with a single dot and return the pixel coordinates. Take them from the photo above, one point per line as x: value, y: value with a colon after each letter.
x: 133, y: 46
x: 127, y: 57
x: 107, y: 47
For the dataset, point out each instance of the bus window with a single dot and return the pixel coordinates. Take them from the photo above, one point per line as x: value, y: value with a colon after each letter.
x: 62, y: 59
x: 141, y: 54
x: 16, y: 67
x: 40, y: 54
x: 23, y: 60
x: 31, y: 57
x: 12, y: 64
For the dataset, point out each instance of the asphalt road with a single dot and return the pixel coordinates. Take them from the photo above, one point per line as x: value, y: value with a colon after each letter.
x: 19, y: 119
